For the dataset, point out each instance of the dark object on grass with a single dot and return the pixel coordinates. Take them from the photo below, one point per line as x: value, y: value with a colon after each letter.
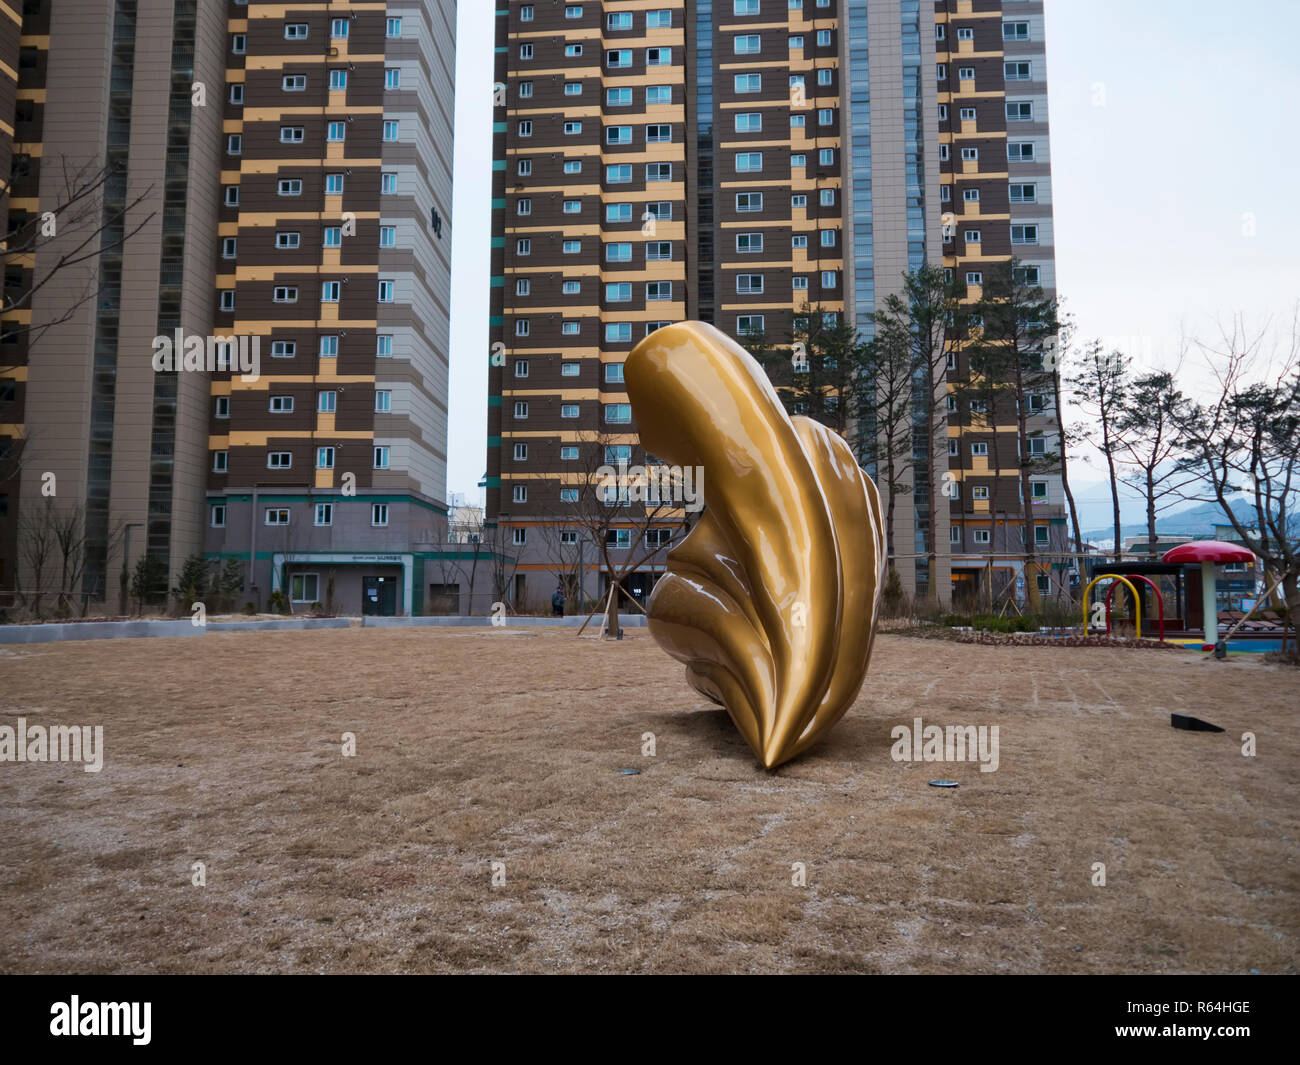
x: 629, y: 772
x: 944, y: 784
x: 1221, y: 649
x: 1192, y: 724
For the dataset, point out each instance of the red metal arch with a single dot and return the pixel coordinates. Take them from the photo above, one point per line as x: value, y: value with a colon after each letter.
x: 1160, y: 600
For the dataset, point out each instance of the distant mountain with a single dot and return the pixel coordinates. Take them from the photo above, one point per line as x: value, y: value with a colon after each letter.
x: 1194, y: 521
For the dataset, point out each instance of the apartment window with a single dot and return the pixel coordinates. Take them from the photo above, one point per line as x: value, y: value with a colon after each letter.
x: 330, y: 291
x: 661, y: 19
x: 621, y: 20
x: 1026, y: 275
x: 388, y: 183
x: 954, y: 534
x: 981, y: 536
x: 285, y: 241
x: 1015, y: 31
x: 324, y: 458
x: 748, y: 162
x: 970, y: 195
x: 659, y: 172
x: 285, y: 294
x: 1024, y: 234
x: 618, y: 293
x: 798, y: 201
x: 747, y: 44
x: 616, y: 134
x: 571, y: 288
x: 329, y: 347
x: 217, y: 516
x: 378, y: 514
x: 748, y: 324
x: 524, y: 246
x: 239, y: 44
x: 618, y: 253
x: 381, y: 458
x: 749, y: 83
x: 1017, y: 71
x: 393, y: 27
x: 526, y: 13
x: 333, y: 184
x: 618, y: 413
x: 523, y: 287
x: 384, y: 347
x: 979, y: 449
x: 390, y: 130
x: 967, y: 114
x: 1020, y: 152
x: 660, y: 133
x: 388, y: 236
x: 232, y: 195
x: 1020, y: 111
x: 620, y: 539
x: 573, y: 88
x: 1042, y: 534
x: 229, y: 247
x: 658, y: 290
x: 568, y: 454
x: 943, y: 112
x: 523, y: 327
x: 295, y: 31
x: 618, y: 57
x: 383, y: 401
x: 570, y: 369
x: 945, y: 193
x: 965, y: 33
x: 393, y: 78
x: 279, y: 460
x: 825, y: 76
x: 386, y: 290
x: 521, y: 367
x: 747, y: 202
x: 749, y: 284
x: 830, y: 279
x: 573, y: 11
x: 826, y: 157
x: 970, y: 155
x: 828, y: 238
x: 521, y: 452
x: 568, y: 410
x: 941, y: 71
x: 521, y: 410
x: 277, y: 516
x: 338, y: 80
x: 525, y: 51
x: 219, y: 461
x: 293, y: 82
x: 324, y: 511
x: 524, y: 206
x: 326, y: 403
x: 618, y: 97
x: 1038, y: 493
x: 339, y: 28
x: 747, y: 243
x: 237, y: 93
x: 227, y: 299
x: 658, y: 57
x: 1022, y: 193
x: 799, y: 284
x: 828, y: 197
x: 572, y: 247
x: 658, y: 94
x: 944, y: 153
x: 573, y: 166
x: 744, y: 7
x: 620, y: 174
x: 234, y: 144
x: 291, y: 134
x: 749, y: 122
x: 965, y: 73
x: 525, y: 128
x: 974, y: 277
x: 618, y: 332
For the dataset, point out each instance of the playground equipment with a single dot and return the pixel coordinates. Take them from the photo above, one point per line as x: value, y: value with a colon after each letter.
x: 1209, y: 553
x: 1137, y: 600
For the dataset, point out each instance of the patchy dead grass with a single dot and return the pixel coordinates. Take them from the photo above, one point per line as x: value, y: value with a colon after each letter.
x: 476, y: 746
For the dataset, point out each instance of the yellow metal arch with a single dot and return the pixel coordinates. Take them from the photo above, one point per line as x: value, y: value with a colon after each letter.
x: 1137, y: 599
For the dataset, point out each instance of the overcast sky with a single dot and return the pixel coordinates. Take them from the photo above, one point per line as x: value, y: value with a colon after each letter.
x: 1173, y: 163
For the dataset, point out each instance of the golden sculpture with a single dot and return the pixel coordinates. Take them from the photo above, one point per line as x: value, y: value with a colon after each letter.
x: 771, y: 599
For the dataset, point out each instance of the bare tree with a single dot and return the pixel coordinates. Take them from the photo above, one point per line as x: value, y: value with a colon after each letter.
x: 1099, y: 384
x: 1246, y: 439
x: 75, y: 217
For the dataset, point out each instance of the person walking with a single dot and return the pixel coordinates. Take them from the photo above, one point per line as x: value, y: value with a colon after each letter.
x: 557, y: 602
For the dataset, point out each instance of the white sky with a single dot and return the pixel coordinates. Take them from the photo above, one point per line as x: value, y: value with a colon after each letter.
x: 1172, y: 164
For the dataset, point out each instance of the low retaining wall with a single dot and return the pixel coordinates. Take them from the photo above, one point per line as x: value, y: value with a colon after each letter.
x: 97, y: 630
x: 627, y: 621
x: 277, y: 625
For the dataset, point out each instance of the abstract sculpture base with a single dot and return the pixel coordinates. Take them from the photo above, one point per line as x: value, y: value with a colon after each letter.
x: 771, y: 600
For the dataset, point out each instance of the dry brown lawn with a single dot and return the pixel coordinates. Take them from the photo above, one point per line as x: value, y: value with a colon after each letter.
x: 482, y: 746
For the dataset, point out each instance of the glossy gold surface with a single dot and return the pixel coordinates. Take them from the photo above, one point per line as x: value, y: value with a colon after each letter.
x: 771, y: 599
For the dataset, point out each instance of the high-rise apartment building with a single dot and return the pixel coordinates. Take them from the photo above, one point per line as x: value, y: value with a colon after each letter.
x: 735, y: 161
x: 261, y: 373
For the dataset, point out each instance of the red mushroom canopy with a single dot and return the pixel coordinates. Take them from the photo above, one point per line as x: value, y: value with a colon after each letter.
x: 1208, y: 551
